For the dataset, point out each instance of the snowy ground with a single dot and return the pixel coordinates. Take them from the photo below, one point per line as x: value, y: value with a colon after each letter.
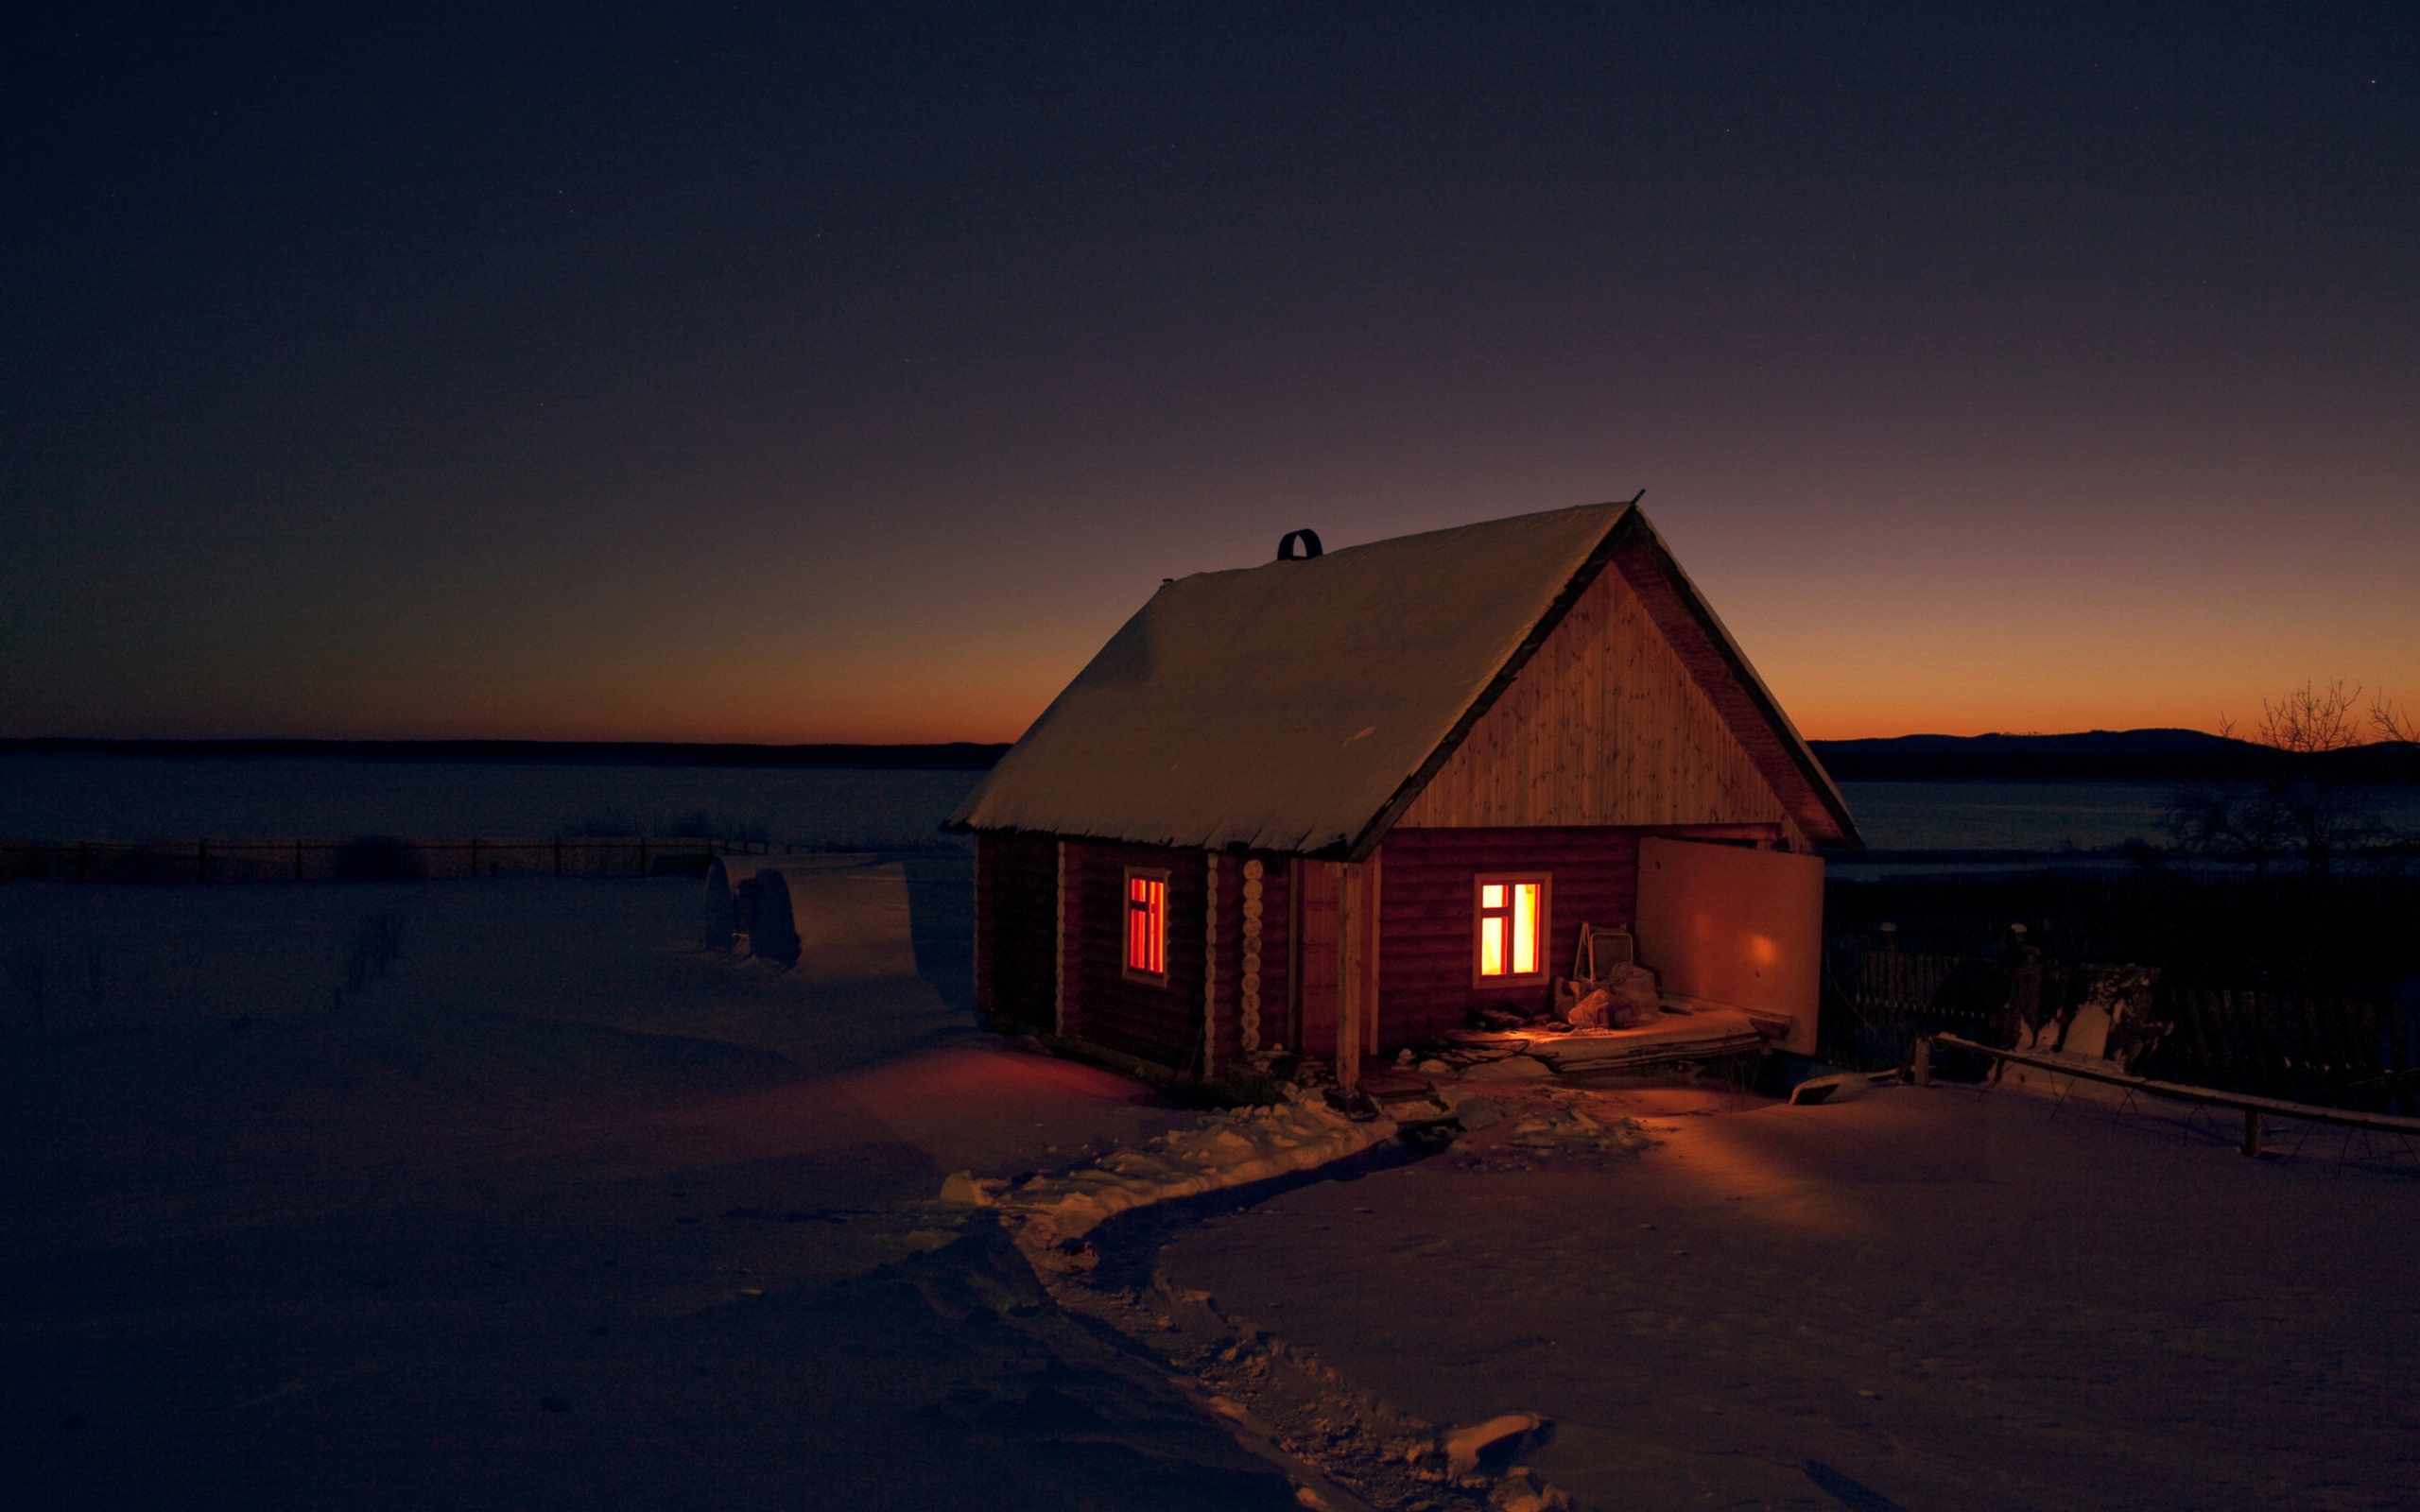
x: 553, y: 1209
x: 555, y: 1212
x: 1948, y: 1298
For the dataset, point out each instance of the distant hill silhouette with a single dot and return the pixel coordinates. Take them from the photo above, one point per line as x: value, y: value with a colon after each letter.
x: 2141, y: 754
x: 2145, y: 755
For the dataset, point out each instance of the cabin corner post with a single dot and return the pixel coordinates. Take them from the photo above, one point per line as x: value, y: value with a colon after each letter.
x: 1350, y: 1004
x: 1210, y: 974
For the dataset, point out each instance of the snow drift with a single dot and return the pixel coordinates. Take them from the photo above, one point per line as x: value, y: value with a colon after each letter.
x: 834, y: 918
x: 727, y: 910
x: 1230, y: 1148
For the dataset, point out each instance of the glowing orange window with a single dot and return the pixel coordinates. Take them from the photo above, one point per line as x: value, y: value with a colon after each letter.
x: 1147, y: 923
x: 1512, y: 913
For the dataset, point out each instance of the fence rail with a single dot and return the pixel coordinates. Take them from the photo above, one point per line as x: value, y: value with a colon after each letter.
x: 376, y: 858
x: 2332, y: 1051
x: 2253, y: 1107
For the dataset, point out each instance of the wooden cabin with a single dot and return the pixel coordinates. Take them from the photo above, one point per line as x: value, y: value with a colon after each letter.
x: 1335, y: 802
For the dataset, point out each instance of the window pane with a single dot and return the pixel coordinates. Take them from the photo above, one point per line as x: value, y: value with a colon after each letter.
x: 1525, y: 928
x: 1491, y: 895
x: 1491, y: 945
x: 1147, y: 924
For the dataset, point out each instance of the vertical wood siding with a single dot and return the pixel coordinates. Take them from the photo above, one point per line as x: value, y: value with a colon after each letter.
x: 1315, y: 959
x: 1606, y: 725
x: 1016, y: 881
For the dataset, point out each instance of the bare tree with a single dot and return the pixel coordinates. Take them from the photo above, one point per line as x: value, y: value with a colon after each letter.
x: 2392, y: 723
x: 2297, y: 802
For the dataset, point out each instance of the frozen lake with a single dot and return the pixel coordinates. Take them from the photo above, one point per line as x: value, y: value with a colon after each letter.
x: 167, y: 798
x: 1959, y: 815
x: 173, y: 799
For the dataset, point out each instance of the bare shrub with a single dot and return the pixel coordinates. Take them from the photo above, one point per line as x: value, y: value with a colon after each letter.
x: 2299, y: 802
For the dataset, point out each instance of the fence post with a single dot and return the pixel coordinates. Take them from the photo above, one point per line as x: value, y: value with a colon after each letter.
x: 2252, y: 1132
x: 1922, y: 1070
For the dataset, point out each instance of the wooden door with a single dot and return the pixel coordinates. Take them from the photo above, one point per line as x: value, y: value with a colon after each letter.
x: 1314, y: 892
x: 1336, y: 963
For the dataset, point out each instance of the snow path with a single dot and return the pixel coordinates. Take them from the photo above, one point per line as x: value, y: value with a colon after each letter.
x: 1954, y: 1299
x: 1231, y: 1148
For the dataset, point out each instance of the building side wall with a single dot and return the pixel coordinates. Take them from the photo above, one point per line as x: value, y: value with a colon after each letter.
x: 1221, y: 994
x: 1427, y: 929
x: 1312, y: 1021
x: 1159, y: 1022
x: 1276, y: 962
x: 1605, y: 726
x: 1016, y: 912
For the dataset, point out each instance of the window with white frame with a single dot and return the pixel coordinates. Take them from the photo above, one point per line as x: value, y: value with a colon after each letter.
x: 1508, y: 939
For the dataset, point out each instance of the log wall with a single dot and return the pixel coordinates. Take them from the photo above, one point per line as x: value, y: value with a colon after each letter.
x: 1016, y: 909
x: 1605, y: 726
x: 1157, y: 1021
x: 1274, y: 1017
x: 1427, y: 929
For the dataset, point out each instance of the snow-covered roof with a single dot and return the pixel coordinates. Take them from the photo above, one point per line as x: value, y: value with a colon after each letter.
x: 1291, y: 706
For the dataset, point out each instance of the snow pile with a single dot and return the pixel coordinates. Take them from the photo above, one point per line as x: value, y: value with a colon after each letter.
x: 1545, y: 1126
x: 834, y: 918
x: 1226, y: 1149
x: 728, y: 909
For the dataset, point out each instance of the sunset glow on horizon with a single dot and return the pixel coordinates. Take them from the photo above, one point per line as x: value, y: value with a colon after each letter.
x: 857, y: 381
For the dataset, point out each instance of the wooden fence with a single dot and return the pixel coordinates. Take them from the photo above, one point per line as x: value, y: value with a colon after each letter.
x: 2332, y: 1051
x: 374, y: 858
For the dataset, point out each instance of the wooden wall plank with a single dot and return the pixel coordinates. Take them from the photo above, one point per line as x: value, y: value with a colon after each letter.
x: 1425, y: 923
x: 1606, y: 726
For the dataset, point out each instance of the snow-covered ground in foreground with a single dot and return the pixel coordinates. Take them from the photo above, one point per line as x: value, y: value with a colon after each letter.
x: 551, y: 1209
x: 1951, y: 1298
x: 556, y: 1211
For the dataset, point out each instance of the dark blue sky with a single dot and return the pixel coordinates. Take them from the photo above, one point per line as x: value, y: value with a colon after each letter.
x: 851, y: 374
